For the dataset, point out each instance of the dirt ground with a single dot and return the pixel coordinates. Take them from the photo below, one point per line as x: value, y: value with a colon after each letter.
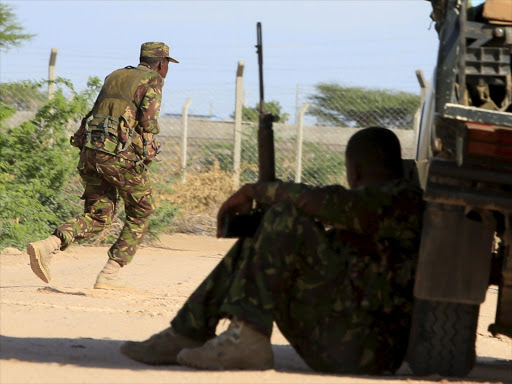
x: 66, y: 332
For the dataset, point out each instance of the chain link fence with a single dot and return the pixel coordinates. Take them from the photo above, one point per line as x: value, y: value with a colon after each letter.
x: 313, y: 154
x: 310, y: 150
x: 196, y: 147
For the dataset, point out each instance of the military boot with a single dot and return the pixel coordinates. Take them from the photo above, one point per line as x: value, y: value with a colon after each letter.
x: 108, y: 278
x: 160, y: 349
x: 239, y: 347
x: 41, y: 253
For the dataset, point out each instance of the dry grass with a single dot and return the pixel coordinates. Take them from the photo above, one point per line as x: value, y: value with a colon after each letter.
x: 202, y: 192
x: 198, y: 198
x: 196, y: 224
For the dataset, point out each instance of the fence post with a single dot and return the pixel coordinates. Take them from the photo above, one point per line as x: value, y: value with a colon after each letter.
x: 51, y: 73
x: 237, y: 136
x: 184, y: 117
x: 423, y: 94
x: 298, y: 161
x: 423, y: 84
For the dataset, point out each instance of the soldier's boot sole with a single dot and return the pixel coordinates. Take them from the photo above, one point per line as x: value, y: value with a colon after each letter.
x: 36, y: 263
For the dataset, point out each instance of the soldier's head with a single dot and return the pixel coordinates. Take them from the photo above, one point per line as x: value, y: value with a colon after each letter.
x: 373, y: 157
x: 156, y: 55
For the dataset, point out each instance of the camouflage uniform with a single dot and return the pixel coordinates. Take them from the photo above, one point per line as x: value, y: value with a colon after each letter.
x: 109, y: 174
x: 342, y: 296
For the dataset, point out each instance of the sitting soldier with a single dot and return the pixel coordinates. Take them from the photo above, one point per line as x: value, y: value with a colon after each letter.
x: 342, y: 296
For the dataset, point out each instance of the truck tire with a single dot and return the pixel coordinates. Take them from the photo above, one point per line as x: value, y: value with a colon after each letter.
x: 442, y: 339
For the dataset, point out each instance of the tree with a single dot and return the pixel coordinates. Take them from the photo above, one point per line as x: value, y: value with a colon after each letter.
x: 11, y: 33
x: 334, y: 104
x: 252, y: 114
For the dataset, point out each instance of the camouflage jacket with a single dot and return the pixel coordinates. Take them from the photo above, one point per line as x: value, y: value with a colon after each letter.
x: 144, y: 121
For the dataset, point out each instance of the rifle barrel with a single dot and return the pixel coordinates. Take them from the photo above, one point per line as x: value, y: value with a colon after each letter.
x: 259, y: 50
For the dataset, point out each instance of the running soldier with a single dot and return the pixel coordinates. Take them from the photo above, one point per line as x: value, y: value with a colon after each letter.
x: 118, y: 143
x: 341, y: 295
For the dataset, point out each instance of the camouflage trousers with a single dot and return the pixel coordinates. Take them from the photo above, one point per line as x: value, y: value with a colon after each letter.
x: 108, y: 178
x: 294, y: 273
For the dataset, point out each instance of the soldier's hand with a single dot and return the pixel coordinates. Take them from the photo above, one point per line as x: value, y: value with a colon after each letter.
x: 239, y: 203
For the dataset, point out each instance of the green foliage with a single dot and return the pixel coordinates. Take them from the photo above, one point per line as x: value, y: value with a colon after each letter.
x: 6, y: 111
x: 161, y: 221
x: 11, y: 33
x: 36, y: 163
x: 218, y: 152
x: 360, y: 107
x: 222, y: 153
x: 322, y: 166
x: 249, y: 114
x: 252, y: 114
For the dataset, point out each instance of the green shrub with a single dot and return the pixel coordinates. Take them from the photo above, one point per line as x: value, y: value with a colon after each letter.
x: 161, y: 221
x: 36, y: 164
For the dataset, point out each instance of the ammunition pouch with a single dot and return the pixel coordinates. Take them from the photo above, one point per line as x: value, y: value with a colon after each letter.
x: 96, y: 128
x: 99, y: 130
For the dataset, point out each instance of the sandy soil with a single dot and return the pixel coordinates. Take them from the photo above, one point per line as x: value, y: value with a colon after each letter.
x: 66, y: 332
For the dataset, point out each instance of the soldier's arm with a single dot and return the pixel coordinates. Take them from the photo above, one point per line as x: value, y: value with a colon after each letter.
x: 333, y: 205
x: 147, y: 115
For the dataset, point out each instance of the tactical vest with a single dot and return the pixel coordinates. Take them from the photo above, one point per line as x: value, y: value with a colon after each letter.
x: 106, y: 129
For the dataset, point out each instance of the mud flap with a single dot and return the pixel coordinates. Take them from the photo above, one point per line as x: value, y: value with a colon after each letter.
x: 455, y: 254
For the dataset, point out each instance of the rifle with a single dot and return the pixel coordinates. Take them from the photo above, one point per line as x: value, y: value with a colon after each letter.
x: 246, y: 225
x: 266, y: 156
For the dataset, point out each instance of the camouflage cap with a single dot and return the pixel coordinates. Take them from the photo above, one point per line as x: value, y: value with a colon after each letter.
x: 156, y: 49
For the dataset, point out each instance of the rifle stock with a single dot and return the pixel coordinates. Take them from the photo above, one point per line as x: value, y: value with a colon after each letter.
x: 246, y: 225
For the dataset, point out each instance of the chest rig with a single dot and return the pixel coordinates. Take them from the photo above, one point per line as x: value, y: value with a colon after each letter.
x: 107, y: 127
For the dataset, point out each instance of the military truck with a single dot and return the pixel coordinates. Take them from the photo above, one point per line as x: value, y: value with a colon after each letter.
x: 464, y: 160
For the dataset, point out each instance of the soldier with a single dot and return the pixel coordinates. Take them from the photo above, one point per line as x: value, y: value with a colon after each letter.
x: 117, y: 142
x: 341, y: 296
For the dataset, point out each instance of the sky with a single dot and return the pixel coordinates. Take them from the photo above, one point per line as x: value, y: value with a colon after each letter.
x: 365, y: 43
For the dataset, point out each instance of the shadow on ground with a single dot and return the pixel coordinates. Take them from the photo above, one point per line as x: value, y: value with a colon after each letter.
x: 104, y: 353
